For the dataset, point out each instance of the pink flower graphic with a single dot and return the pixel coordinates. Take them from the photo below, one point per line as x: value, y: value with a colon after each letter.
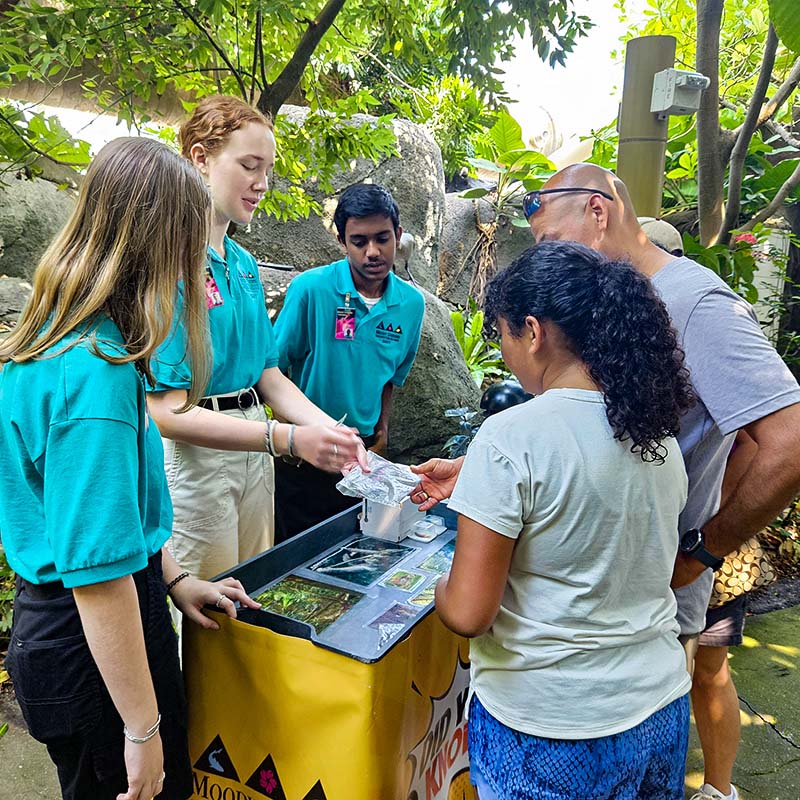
x: 267, y: 781
x: 747, y: 238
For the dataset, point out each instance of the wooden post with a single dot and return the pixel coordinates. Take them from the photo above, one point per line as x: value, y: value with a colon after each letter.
x: 642, y: 136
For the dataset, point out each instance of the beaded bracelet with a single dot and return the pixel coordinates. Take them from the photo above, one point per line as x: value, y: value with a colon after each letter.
x: 149, y: 733
x: 175, y: 581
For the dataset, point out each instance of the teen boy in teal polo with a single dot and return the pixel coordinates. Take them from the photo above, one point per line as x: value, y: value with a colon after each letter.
x: 348, y: 334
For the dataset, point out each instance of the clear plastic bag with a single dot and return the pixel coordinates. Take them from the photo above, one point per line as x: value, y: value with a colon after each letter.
x: 386, y: 483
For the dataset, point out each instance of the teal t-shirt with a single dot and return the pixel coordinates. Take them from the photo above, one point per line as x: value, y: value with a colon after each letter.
x: 242, y: 340
x: 83, y: 495
x: 348, y: 375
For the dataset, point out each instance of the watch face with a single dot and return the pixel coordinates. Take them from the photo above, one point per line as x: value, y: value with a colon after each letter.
x: 691, y: 540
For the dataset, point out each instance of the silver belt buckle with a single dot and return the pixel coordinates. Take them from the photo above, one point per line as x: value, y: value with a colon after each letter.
x: 250, y: 393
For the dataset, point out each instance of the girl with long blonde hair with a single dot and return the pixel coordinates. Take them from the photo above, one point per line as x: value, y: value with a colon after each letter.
x: 84, y: 506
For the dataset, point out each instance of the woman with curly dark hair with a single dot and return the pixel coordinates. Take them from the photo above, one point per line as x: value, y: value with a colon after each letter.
x: 567, y: 537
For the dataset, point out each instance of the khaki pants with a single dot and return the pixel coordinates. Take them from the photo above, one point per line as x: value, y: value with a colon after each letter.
x: 223, y: 503
x: 690, y: 642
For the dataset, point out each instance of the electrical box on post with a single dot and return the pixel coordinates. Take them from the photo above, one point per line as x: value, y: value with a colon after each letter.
x: 677, y: 91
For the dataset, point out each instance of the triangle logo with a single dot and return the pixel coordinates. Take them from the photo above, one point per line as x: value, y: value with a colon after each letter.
x: 316, y: 792
x: 215, y: 759
x: 265, y: 780
x: 389, y: 327
x: 398, y: 329
x: 380, y: 327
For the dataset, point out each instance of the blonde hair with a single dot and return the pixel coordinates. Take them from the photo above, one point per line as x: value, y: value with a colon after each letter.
x: 140, y: 225
x: 213, y: 120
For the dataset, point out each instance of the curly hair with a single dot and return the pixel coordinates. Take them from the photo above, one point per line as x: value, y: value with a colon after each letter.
x: 213, y: 120
x: 615, y: 323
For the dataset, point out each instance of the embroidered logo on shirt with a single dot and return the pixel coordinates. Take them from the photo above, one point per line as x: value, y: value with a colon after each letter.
x: 388, y: 333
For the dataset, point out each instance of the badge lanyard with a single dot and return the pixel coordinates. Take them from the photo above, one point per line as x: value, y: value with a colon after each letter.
x: 345, y: 329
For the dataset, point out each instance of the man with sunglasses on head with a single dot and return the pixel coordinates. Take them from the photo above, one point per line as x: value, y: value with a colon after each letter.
x: 741, y: 384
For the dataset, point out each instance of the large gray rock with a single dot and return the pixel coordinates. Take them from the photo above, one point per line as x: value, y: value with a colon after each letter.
x: 438, y: 380
x: 32, y: 212
x: 414, y: 177
x: 459, y: 246
x: 14, y: 293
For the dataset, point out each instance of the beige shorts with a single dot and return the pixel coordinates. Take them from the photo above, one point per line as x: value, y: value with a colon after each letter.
x: 223, y: 502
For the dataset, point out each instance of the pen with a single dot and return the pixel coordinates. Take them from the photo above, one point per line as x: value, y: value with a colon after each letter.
x: 339, y: 422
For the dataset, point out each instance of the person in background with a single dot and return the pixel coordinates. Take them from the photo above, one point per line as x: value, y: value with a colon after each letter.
x: 347, y: 334
x: 218, y: 454
x: 84, y: 506
x: 568, y: 526
x: 662, y: 234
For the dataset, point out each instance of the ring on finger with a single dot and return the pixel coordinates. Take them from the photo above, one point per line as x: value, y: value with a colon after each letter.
x: 335, y: 450
x: 221, y: 597
x: 161, y: 779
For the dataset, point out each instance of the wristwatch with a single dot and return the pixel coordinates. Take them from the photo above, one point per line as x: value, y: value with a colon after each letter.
x: 693, y: 544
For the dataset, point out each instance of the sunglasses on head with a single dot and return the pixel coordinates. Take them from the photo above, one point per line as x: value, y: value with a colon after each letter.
x: 532, y: 201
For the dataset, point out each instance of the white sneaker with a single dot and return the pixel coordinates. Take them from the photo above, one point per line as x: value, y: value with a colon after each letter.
x: 708, y: 792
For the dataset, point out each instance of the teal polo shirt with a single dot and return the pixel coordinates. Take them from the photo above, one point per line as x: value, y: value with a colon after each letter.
x: 348, y: 376
x: 83, y: 495
x: 242, y: 339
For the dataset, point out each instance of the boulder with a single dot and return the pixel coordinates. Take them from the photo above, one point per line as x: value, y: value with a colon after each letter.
x: 458, y: 249
x: 32, y: 212
x: 414, y: 177
x: 439, y: 380
x: 14, y: 293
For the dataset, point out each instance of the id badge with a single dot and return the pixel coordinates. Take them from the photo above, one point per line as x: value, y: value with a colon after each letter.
x: 213, y: 294
x: 345, y: 323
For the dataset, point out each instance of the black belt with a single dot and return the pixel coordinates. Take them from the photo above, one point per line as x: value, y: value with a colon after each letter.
x: 247, y: 398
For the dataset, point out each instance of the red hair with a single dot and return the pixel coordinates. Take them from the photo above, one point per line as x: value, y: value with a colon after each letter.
x: 214, y: 119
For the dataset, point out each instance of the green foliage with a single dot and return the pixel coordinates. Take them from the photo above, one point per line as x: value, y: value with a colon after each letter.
x: 482, y: 355
x: 516, y: 168
x: 125, y: 55
x: 6, y: 600
x: 27, y: 136
x: 786, y: 20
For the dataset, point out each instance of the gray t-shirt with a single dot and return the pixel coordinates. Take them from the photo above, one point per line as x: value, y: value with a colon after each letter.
x: 738, y: 378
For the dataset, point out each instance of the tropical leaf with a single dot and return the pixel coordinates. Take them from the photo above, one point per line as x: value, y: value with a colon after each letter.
x: 506, y: 133
x: 785, y: 16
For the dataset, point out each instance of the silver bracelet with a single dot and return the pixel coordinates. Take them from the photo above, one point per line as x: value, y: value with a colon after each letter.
x: 149, y: 733
x: 291, y: 440
x: 271, y: 434
x: 268, y: 439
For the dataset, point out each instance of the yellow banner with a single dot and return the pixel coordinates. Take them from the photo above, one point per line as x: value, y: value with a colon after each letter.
x: 278, y: 717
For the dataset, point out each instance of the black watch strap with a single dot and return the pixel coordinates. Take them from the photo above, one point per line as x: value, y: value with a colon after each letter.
x: 697, y: 550
x: 707, y: 558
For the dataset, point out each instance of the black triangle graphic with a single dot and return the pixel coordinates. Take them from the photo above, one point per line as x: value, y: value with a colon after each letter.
x: 380, y: 327
x: 316, y: 792
x: 389, y: 327
x: 215, y: 759
x: 398, y: 329
x: 265, y: 780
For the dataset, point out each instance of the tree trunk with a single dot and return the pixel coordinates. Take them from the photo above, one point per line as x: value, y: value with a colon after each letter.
x: 789, y: 330
x: 67, y: 93
x: 710, y: 172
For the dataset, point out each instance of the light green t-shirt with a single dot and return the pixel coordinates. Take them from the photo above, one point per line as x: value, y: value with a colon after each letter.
x: 83, y: 495
x: 587, y: 620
